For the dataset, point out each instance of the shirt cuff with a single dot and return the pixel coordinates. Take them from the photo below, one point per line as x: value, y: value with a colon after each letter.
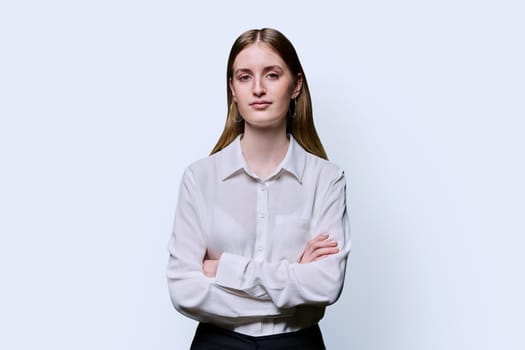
x: 231, y: 270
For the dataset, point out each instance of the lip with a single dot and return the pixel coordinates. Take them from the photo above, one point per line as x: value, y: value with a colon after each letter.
x: 260, y: 104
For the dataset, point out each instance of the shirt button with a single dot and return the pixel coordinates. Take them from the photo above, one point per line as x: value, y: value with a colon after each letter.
x: 259, y: 248
x: 263, y: 189
x: 261, y: 215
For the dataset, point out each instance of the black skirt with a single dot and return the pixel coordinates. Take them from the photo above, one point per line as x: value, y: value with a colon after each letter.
x: 211, y: 337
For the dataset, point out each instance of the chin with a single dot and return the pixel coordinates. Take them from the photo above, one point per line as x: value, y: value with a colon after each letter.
x: 265, y: 123
x: 264, y: 118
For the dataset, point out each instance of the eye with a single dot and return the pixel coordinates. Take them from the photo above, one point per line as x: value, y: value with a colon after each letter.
x: 273, y: 75
x: 243, y: 77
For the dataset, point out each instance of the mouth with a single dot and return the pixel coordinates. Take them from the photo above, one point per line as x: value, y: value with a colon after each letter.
x: 260, y: 104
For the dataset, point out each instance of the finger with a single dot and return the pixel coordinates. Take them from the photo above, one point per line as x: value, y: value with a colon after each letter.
x: 311, y: 249
x: 327, y: 250
x: 322, y: 257
x: 324, y: 251
x: 324, y: 244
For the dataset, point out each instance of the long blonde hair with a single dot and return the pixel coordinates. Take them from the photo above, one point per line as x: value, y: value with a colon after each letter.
x: 301, y: 125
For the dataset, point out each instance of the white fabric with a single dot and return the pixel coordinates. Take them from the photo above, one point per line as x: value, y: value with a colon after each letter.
x: 259, y: 229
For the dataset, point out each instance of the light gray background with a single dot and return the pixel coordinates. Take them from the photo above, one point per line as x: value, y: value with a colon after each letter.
x: 103, y: 104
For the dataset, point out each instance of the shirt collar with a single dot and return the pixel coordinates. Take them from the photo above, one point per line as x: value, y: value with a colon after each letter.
x: 232, y: 160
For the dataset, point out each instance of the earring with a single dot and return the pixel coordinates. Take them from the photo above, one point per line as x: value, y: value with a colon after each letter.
x: 292, y: 111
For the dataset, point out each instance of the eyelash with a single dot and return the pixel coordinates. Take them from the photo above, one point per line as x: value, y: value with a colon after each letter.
x: 272, y: 76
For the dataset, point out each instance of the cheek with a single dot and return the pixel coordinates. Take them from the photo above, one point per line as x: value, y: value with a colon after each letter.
x: 239, y: 94
x: 286, y: 94
x: 287, y: 90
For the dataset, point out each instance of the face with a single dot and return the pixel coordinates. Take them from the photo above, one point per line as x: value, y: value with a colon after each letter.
x: 262, y: 86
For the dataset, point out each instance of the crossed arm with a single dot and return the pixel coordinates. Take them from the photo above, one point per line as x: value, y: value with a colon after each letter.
x: 235, y: 289
x: 316, y: 249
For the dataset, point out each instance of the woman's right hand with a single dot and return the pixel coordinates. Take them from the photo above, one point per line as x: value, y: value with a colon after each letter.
x: 318, y: 248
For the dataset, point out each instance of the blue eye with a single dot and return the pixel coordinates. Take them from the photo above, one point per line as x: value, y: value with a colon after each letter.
x: 273, y: 75
x: 244, y: 77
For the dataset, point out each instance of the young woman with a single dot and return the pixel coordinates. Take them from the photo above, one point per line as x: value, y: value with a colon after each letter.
x: 260, y: 239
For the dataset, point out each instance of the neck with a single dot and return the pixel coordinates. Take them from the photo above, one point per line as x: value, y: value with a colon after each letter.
x: 264, y: 149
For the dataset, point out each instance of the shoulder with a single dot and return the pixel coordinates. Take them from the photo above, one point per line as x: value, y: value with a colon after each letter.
x: 215, y: 166
x: 202, y: 168
x: 202, y: 164
x: 323, y: 168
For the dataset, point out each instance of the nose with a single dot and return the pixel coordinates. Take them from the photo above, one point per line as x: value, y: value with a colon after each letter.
x: 258, y: 88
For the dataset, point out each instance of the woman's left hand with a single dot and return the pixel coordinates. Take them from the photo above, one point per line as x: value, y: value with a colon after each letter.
x: 319, y: 248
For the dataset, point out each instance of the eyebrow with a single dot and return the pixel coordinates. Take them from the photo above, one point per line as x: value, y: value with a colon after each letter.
x: 266, y: 69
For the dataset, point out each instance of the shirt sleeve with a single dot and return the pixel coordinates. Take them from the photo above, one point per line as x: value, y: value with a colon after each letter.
x: 193, y: 293
x: 289, y: 284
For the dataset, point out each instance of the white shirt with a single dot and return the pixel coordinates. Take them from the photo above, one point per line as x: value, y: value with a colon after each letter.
x: 259, y: 229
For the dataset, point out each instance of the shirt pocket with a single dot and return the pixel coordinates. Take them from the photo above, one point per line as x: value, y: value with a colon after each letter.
x: 290, y: 235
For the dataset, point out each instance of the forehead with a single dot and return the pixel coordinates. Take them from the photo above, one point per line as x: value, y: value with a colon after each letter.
x: 258, y: 55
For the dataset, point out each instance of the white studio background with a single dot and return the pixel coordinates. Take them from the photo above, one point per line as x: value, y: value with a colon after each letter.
x: 103, y: 104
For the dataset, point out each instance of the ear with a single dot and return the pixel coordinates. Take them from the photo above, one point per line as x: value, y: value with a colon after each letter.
x: 297, y: 86
x: 230, y: 84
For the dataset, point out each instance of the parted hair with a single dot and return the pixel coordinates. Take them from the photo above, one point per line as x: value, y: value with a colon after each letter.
x: 301, y: 126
